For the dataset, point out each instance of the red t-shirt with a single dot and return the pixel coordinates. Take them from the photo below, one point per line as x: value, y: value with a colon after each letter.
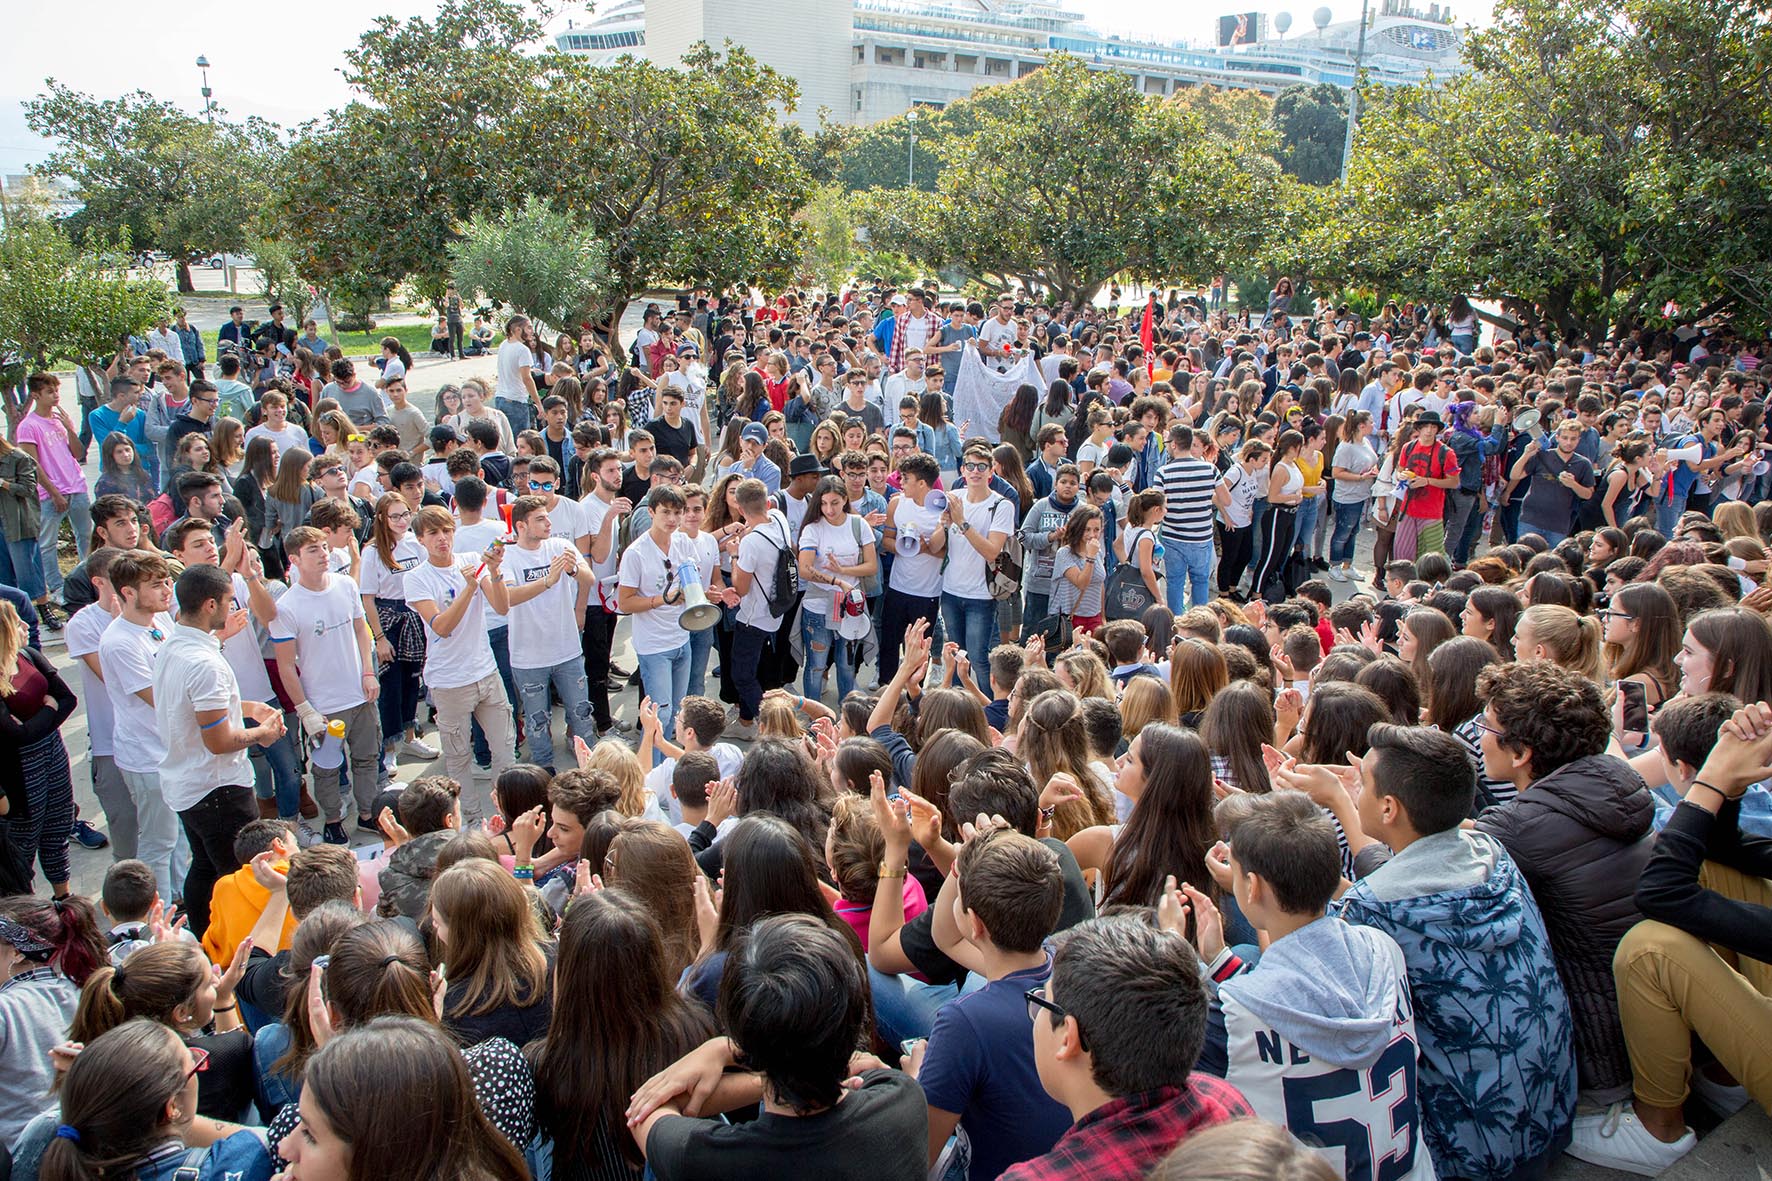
x: 1436, y: 462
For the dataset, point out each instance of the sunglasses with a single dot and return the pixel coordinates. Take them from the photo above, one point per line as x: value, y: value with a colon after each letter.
x: 199, y: 1062
x: 975, y: 467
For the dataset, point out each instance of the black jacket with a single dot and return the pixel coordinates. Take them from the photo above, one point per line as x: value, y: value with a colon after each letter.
x: 1581, y: 835
x: 1669, y: 889
x: 15, y: 735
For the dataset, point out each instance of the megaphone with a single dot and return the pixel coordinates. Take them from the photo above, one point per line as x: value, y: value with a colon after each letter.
x: 1692, y: 454
x: 1526, y: 420
x: 698, y: 613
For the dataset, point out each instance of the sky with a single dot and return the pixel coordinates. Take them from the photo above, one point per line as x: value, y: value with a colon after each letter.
x: 288, y: 70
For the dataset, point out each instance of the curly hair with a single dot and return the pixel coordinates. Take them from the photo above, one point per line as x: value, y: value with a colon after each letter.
x: 1558, y: 714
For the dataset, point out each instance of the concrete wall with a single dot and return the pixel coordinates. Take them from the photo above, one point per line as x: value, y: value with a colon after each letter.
x: 808, y: 40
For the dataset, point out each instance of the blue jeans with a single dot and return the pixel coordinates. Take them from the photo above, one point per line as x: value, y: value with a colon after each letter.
x: 904, y: 1007
x: 973, y: 624
x: 1667, y: 513
x: 20, y: 567
x: 1551, y: 536
x: 500, y: 638
x: 566, y: 679
x: 700, y: 644
x: 517, y: 412
x: 275, y: 773
x: 1188, y: 565
x: 824, y: 648
x: 79, y: 513
x: 1347, y: 526
x: 665, y: 676
x: 1305, y: 530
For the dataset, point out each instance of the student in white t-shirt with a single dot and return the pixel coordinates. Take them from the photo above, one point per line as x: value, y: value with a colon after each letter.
x: 917, y: 541
x: 836, y: 554
x: 550, y: 587
x: 450, y: 595
x: 399, y: 635
x: 707, y: 561
x: 699, y: 723
x: 126, y: 655
x: 979, y: 524
x: 84, y: 631
x: 653, y: 572
x: 766, y: 537
x: 326, y: 663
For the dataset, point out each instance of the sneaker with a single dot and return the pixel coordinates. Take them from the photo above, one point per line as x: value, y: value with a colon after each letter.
x: 618, y: 729
x: 1337, y: 574
x: 1722, y: 1099
x: 305, y: 836
x: 51, y: 617
x: 1319, y: 564
x: 414, y: 748
x: 742, y: 730
x: 335, y: 833
x: 1617, y: 1139
x: 89, y: 836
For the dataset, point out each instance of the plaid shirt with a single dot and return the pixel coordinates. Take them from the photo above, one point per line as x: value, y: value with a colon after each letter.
x: 1123, y: 1139
x: 932, y: 323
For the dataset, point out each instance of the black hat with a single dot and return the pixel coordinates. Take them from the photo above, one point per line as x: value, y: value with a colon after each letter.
x: 1428, y: 418
x: 807, y: 465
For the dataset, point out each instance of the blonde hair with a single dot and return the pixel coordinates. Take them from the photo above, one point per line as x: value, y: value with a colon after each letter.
x: 12, y: 637
x: 1053, y: 740
x: 1087, y: 673
x: 1570, y: 640
x: 494, y: 946
x: 1243, y: 1150
x: 1144, y: 700
x: 1735, y: 519
x: 623, y: 765
x: 776, y: 718
x: 856, y: 849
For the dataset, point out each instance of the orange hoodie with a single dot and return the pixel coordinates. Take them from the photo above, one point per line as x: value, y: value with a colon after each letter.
x: 234, y: 908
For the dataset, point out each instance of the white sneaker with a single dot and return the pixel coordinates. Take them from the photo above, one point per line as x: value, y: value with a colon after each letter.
x: 417, y: 749
x: 1617, y: 1139
x: 305, y: 836
x: 743, y: 731
x: 1723, y: 1100
x: 1337, y: 574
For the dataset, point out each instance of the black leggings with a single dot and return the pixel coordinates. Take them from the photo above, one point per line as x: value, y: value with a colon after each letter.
x: 1239, y: 547
x: 1276, y: 546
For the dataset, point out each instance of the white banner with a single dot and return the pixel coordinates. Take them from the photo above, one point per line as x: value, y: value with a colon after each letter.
x: 980, y: 392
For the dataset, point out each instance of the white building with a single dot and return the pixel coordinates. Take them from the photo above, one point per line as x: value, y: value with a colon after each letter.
x: 868, y: 60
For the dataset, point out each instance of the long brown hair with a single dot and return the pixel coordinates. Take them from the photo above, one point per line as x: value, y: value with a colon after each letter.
x: 1171, y: 826
x: 114, y: 1097
x: 401, y: 1098
x: 493, y: 949
x: 1237, y: 722
x: 153, y: 983
x: 292, y: 476
x: 1652, y: 649
x: 1196, y: 673
x: 1054, y: 740
x: 655, y: 864
x: 617, y: 1020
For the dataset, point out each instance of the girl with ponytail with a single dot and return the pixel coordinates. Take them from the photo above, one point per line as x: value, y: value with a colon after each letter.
x: 47, y: 950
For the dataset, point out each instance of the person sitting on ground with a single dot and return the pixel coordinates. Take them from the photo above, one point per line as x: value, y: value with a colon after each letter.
x: 128, y: 900
x: 238, y: 898
x: 430, y: 815
x: 1132, y: 1096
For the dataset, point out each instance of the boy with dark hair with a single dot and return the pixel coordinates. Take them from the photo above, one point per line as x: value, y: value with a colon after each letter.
x: 1006, y: 663
x: 794, y: 1001
x: 977, y: 1066
x: 1124, y: 639
x: 239, y: 898
x: 483, y: 442
x: 1133, y: 1096
x: 430, y: 812
x: 1686, y: 728
x: 1398, y: 575
x: 704, y: 812
x: 1475, y: 942
x: 698, y: 725
x: 127, y: 898
x: 1320, y: 1035
x: 313, y: 877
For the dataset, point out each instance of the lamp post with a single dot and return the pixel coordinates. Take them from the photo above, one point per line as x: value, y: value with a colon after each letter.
x: 1353, y: 94
x: 208, y: 107
x: 910, y: 121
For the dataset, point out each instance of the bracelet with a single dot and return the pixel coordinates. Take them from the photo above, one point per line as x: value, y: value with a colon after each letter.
x: 1046, y: 814
x: 523, y: 873
x: 1721, y: 794
x: 226, y: 1008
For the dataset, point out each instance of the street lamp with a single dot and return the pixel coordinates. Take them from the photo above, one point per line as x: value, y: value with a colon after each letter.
x: 208, y: 107
x: 1353, y: 93
x: 910, y: 121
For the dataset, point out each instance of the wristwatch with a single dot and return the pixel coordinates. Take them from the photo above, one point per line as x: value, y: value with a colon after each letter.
x: 965, y: 526
x: 887, y: 871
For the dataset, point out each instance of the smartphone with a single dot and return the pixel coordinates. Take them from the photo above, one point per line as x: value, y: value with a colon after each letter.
x: 1635, y: 707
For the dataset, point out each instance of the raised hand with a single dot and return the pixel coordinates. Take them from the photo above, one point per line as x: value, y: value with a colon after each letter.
x: 722, y: 801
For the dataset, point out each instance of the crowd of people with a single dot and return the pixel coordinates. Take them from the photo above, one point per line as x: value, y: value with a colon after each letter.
x: 1069, y: 795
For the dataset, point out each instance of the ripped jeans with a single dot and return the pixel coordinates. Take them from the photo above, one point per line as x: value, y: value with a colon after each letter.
x: 568, y: 681
x: 824, y: 649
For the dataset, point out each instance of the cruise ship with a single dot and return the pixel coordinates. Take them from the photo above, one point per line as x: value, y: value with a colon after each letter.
x: 867, y: 60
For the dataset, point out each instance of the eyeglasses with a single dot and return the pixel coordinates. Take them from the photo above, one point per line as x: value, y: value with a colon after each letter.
x: 1485, y: 727
x: 199, y: 1061
x: 1613, y: 613
x: 399, y: 516
x: 1036, y: 1002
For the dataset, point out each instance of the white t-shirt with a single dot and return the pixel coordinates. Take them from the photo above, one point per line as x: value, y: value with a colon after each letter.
x: 126, y: 653
x: 658, y: 780
x: 544, y: 630
x: 287, y: 440
x: 244, y: 654
x: 475, y: 539
x: 384, y: 583
x: 643, y: 570
x: 463, y: 656
x: 595, y: 510
x: 82, y: 635
x: 796, y: 511
x: 757, y: 557
x: 566, y: 520
x: 322, y: 625
x: 965, y: 573
x: 514, y: 359
x: 395, y: 368
x: 916, y: 574
x: 825, y: 539
x: 190, y: 675
x: 707, y: 556
x: 997, y: 334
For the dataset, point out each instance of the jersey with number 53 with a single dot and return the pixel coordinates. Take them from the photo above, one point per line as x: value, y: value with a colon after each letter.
x: 1320, y: 1037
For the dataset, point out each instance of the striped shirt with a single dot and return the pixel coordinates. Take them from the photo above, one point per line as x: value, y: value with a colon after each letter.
x: 1187, y: 485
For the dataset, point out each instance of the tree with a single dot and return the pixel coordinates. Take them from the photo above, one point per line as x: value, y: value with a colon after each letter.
x: 684, y: 173
x: 1312, y: 125
x: 62, y: 302
x: 829, y: 255
x: 1608, y: 156
x: 144, y: 168
x: 280, y: 277
x: 540, y: 262
x: 1159, y: 190
x: 375, y: 192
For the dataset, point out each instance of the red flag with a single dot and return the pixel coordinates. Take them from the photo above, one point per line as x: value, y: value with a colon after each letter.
x: 1147, y: 336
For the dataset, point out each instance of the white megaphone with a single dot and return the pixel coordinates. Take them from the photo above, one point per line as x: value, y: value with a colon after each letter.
x: 698, y: 613
x: 1692, y: 454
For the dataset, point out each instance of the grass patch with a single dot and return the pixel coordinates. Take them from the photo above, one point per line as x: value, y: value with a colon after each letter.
x: 416, y: 338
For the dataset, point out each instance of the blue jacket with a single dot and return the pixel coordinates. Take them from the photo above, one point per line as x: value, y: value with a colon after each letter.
x: 1497, y: 1069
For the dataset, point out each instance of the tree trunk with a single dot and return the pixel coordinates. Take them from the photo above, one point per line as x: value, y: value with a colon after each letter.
x: 617, y: 308
x: 185, y: 284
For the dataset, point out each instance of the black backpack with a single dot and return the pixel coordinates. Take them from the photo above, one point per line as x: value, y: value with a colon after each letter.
x: 783, y: 586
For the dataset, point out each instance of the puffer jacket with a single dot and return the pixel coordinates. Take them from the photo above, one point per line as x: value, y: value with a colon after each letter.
x: 1581, y: 835
x: 406, y: 882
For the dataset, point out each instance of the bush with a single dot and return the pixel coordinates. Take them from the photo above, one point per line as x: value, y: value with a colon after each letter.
x: 352, y: 322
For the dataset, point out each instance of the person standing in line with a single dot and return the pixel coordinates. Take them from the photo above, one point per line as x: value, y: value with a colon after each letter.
x: 604, y: 509
x: 399, y: 635
x: 766, y: 537
x: 52, y: 440
x: 127, y: 652
x: 206, y: 730
x: 551, y: 586
x: 446, y: 593
x: 86, y: 629
x: 979, y: 524
x: 917, y: 541
x: 1188, y: 482
x: 326, y: 664
x: 654, y: 570
x: 516, y: 375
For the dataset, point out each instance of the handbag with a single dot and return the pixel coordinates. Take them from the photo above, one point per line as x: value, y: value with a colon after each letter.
x: 1127, y: 596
